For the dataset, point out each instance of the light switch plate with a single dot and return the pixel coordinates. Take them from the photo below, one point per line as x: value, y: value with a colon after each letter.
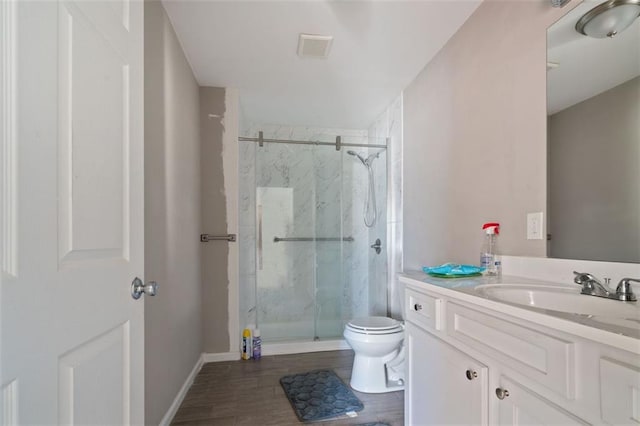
x: 534, y: 226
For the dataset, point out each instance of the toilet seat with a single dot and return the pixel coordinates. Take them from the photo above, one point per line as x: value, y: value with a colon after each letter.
x: 375, y: 325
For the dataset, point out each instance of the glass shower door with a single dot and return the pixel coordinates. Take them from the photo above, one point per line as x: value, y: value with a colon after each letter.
x: 365, y: 269
x: 329, y: 254
x: 285, y: 261
x: 378, y: 274
x: 315, y: 267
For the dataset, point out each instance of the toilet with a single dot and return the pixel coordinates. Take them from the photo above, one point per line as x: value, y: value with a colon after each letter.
x: 378, y: 365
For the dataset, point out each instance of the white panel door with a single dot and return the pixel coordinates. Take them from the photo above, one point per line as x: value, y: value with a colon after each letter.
x: 72, y: 212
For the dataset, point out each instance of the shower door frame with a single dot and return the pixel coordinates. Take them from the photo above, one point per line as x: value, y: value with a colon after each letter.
x: 346, y: 239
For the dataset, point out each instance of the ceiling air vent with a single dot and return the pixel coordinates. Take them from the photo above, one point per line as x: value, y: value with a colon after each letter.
x: 314, y: 46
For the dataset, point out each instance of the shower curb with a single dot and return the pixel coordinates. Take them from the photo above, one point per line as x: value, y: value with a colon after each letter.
x: 286, y: 348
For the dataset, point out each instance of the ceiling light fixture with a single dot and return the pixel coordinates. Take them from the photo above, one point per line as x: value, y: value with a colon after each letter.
x: 609, y: 18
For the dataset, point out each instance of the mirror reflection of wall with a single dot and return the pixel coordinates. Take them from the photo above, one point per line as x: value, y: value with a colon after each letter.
x: 593, y: 108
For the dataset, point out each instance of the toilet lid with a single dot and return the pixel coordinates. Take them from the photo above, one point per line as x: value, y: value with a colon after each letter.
x: 375, y: 324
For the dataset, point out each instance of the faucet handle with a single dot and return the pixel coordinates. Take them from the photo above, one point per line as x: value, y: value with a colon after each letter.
x: 624, y: 291
x: 583, y: 278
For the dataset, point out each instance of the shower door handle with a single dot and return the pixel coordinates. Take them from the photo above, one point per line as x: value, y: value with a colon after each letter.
x: 259, y: 214
x: 377, y: 246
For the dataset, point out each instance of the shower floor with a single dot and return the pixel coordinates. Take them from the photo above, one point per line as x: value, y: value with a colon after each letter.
x: 249, y: 393
x: 301, y: 330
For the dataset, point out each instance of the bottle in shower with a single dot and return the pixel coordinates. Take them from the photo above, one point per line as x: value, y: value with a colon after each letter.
x: 257, y: 344
x: 246, y: 344
x: 489, y: 254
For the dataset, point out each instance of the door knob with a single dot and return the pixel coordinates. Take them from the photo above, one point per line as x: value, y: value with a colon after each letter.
x: 471, y: 374
x: 138, y: 287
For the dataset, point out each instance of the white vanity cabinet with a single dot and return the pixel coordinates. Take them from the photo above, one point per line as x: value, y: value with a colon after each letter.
x: 475, y: 365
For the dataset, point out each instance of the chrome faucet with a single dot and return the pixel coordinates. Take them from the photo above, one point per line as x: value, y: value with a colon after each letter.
x: 593, y: 287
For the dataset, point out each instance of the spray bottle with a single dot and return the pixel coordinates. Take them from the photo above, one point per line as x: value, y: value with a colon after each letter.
x: 489, y: 255
x: 257, y: 344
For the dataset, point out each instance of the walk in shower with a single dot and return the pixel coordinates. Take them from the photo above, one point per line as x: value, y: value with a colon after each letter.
x: 313, y: 230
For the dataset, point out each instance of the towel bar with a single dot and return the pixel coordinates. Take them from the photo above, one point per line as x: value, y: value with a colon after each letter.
x: 205, y: 238
x: 278, y: 239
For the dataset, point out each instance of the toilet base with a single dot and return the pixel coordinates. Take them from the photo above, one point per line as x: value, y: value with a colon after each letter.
x: 369, y: 375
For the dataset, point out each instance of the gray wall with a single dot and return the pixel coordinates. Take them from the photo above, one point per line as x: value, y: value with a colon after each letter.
x: 215, y: 277
x: 474, y: 136
x: 173, y: 321
x: 594, y: 172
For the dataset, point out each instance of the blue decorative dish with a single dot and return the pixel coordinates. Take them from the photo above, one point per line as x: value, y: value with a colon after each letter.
x: 454, y: 270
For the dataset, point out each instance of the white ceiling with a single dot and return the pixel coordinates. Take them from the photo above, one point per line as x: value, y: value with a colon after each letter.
x: 588, y: 66
x: 378, y: 49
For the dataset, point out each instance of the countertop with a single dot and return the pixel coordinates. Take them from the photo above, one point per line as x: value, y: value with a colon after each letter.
x: 622, y: 333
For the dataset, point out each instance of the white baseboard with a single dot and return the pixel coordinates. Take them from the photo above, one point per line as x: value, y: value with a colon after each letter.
x: 219, y: 357
x: 287, y: 348
x: 173, y: 409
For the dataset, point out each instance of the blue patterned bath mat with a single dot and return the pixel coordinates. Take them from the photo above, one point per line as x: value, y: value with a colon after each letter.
x: 319, y: 395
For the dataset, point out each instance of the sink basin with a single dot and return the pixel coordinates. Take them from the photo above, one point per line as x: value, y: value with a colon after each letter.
x: 560, y: 298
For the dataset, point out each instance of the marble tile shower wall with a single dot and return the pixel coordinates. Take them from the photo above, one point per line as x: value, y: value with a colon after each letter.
x: 328, y: 190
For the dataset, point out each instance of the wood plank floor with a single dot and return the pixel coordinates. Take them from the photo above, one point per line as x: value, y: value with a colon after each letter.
x: 249, y: 393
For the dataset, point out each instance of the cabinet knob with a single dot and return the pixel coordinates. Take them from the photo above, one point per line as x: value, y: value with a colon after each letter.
x: 471, y: 374
x: 417, y: 307
x: 502, y: 393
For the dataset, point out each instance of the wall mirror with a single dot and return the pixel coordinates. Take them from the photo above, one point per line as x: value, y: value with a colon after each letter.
x: 593, y: 137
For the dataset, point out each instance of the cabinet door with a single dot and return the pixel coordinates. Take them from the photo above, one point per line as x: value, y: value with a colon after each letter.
x: 619, y: 392
x: 519, y: 406
x: 444, y: 386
